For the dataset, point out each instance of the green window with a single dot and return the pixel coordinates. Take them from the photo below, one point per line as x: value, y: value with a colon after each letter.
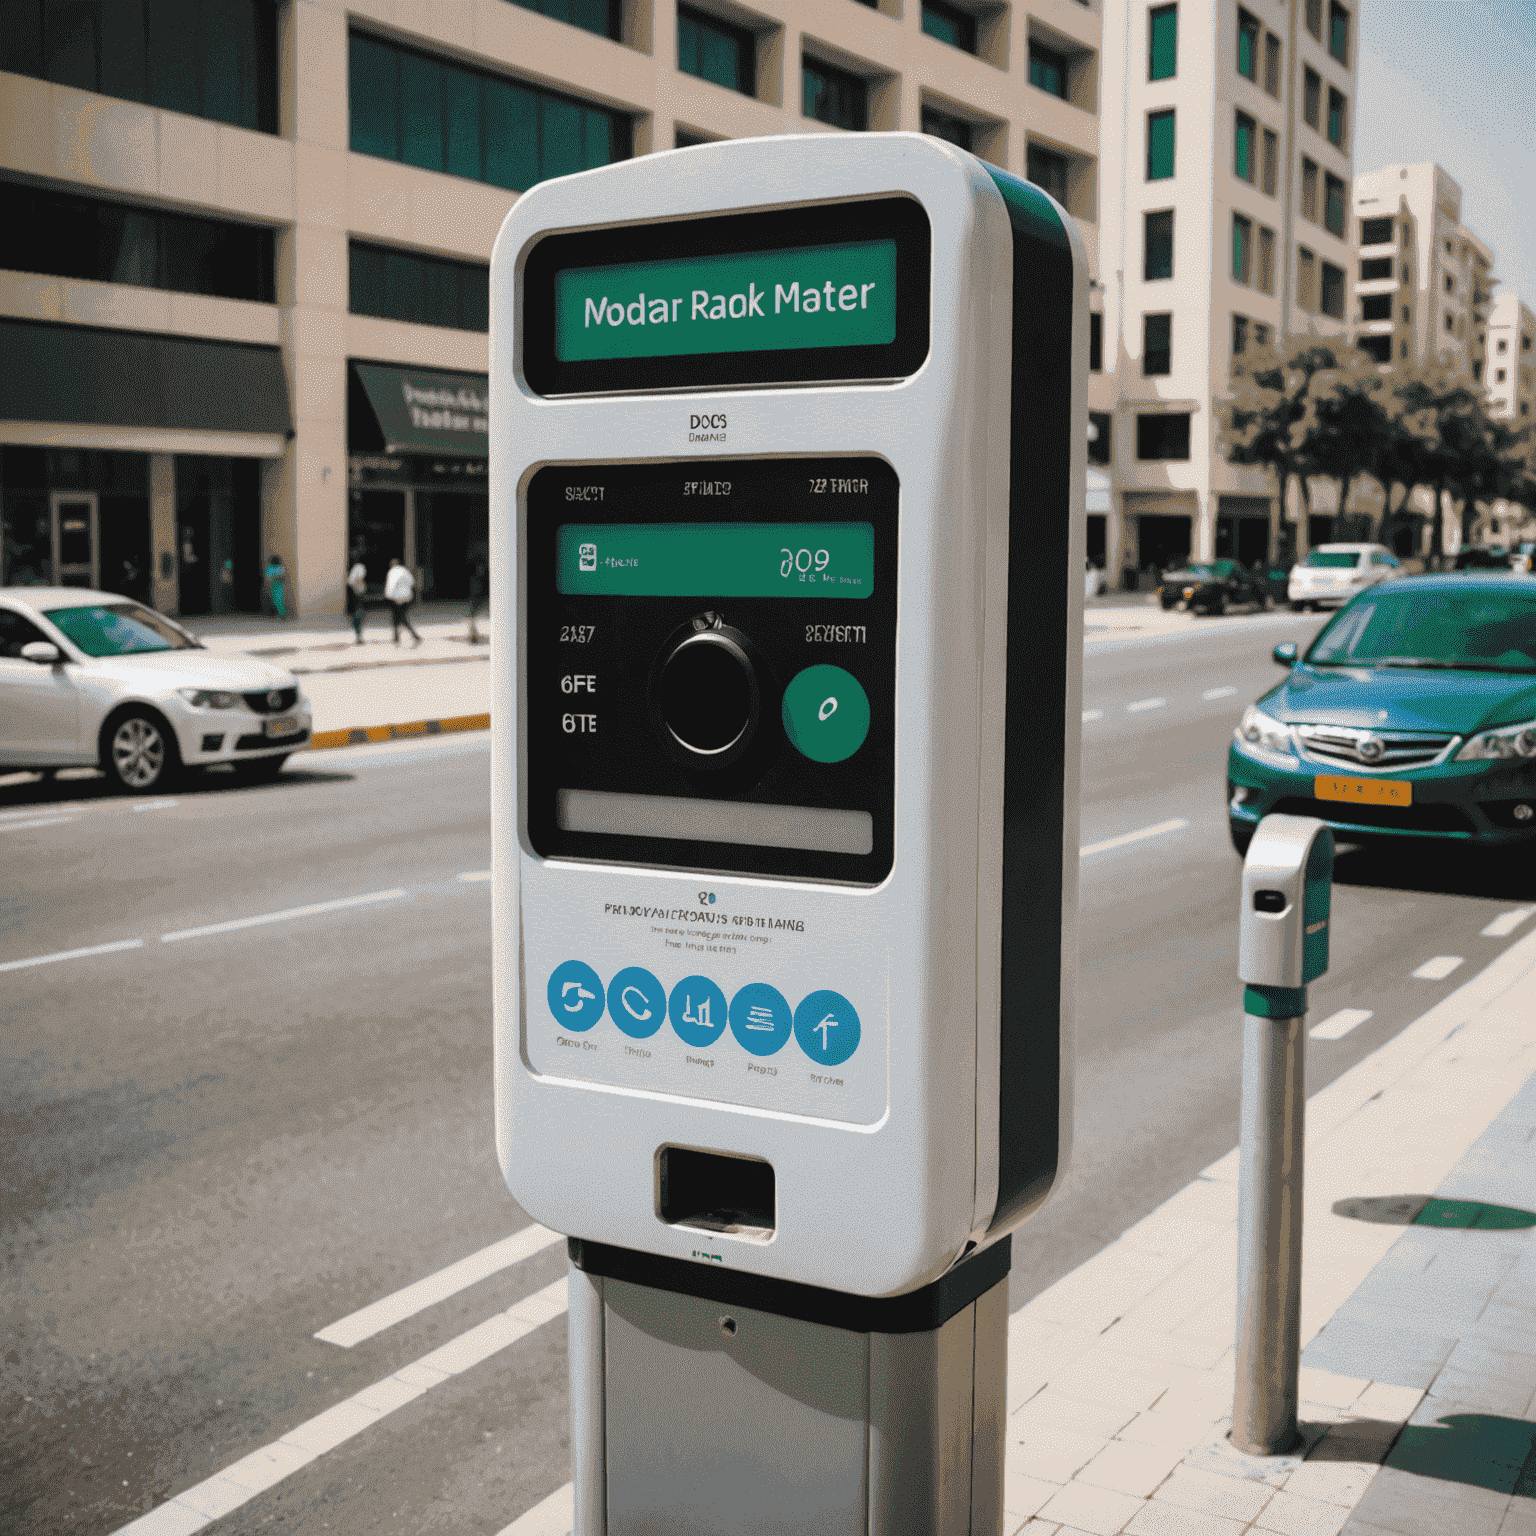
x: 1248, y: 45
x: 1048, y: 170
x: 1159, y: 145
x: 1048, y: 70
x: 950, y: 25
x: 942, y: 126
x: 426, y: 290
x: 1163, y: 42
x: 1242, y: 249
x: 1157, y: 246
x: 421, y: 110
x: 1335, y: 118
x: 1333, y: 291
x: 715, y: 50
x: 834, y: 96
x: 1338, y: 33
x: 1333, y: 205
x: 600, y: 16
x: 1242, y: 150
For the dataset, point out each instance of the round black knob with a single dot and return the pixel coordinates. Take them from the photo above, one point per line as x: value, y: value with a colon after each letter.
x: 706, y: 694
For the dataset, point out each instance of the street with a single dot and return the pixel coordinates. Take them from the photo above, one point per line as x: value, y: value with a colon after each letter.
x: 255, y: 1098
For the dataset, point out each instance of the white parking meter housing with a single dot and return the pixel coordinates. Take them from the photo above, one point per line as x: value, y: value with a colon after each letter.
x: 1287, y: 896
x: 787, y: 474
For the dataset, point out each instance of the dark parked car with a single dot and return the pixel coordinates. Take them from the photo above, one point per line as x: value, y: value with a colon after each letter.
x: 1475, y: 559
x: 1412, y: 715
x: 1212, y: 586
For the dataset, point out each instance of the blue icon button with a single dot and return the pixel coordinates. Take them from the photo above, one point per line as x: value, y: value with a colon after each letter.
x: 760, y: 1018
x: 698, y: 1011
x: 575, y: 995
x: 827, y: 1028
x: 637, y: 1002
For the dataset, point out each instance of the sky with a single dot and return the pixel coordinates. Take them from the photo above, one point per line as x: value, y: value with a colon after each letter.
x: 1454, y: 81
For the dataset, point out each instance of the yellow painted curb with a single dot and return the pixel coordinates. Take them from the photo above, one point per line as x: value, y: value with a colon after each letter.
x: 362, y: 735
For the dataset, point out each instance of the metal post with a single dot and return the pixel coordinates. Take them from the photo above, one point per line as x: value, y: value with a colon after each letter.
x: 1269, y: 1236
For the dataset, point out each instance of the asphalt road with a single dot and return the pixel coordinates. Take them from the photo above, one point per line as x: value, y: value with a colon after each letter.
x: 222, y: 1142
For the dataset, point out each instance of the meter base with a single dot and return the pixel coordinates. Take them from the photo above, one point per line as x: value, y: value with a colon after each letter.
x: 702, y: 1414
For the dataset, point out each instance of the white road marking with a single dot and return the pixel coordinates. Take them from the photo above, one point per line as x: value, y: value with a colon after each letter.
x: 282, y: 917
x: 411, y: 1299
x: 1092, y: 714
x: 1142, y: 704
x: 554, y: 1516
x: 1505, y: 924
x: 1438, y: 968
x: 156, y: 805
x: 475, y: 876
x: 1337, y: 1025
x: 73, y: 954
x: 216, y: 1496
x: 42, y: 821
x: 1126, y: 838
x: 1218, y: 693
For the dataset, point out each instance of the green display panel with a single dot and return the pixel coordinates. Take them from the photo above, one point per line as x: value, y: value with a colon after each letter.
x: 757, y: 301
x: 716, y: 559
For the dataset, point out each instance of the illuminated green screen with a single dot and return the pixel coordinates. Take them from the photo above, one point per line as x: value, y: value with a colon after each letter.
x: 716, y: 559
x: 758, y: 301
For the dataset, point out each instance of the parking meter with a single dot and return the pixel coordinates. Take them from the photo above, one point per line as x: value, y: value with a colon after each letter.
x: 1287, y: 896
x: 787, y: 477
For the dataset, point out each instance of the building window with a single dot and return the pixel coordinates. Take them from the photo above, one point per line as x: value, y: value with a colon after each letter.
x: 1312, y: 97
x: 1248, y: 46
x: 1244, y: 157
x: 715, y: 50
x: 1157, y: 246
x: 1376, y: 306
x: 1450, y: 283
x: 1156, y: 345
x: 1162, y: 436
x: 600, y: 16
x: 1375, y: 231
x: 834, y: 96
x: 1336, y: 115
x: 1163, y: 42
x: 215, y: 59
x: 1501, y: 346
x: 1239, y: 335
x: 1047, y: 69
x: 1160, y: 145
x: 426, y: 290
x: 1407, y: 314
x: 1338, y: 33
x: 1450, y: 322
x: 1499, y: 375
x: 1101, y: 442
x: 1096, y: 343
x: 59, y: 234
x: 1272, y: 64
x: 1266, y: 259
x: 1047, y: 169
x: 1332, y: 301
x: 1271, y: 166
x: 1379, y: 347
x: 1374, y: 268
x: 951, y: 25
x: 1333, y: 204
x: 1309, y: 184
x: 1306, y: 280
x: 1315, y: 18
x: 424, y: 111
x: 942, y: 126
x: 1242, y: 249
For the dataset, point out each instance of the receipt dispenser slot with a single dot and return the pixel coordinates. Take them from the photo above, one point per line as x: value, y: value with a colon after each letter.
x: 716, y: 1193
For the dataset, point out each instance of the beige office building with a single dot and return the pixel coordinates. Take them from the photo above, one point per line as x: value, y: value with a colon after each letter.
x: 243, y: 288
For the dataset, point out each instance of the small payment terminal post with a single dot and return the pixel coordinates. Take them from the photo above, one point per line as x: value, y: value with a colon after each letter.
x: 787, y: 483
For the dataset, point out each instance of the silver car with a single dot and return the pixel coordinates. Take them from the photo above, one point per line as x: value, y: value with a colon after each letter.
x: 89, y: 678
x: 1331, y: 574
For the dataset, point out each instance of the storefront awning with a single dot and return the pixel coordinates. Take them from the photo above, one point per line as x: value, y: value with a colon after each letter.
x: 421, y: 411
x: 92, y: 375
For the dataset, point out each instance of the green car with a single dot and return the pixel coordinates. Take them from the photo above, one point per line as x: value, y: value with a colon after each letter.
x: 1411, y: 715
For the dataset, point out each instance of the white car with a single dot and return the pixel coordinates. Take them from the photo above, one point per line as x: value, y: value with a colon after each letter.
x: 92, y: 678
x: 1331, y: 574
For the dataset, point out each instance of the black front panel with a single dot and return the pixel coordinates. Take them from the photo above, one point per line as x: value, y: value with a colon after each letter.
x: 610, y: 674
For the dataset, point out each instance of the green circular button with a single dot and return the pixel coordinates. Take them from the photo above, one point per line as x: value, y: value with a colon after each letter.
x: 826, y: 714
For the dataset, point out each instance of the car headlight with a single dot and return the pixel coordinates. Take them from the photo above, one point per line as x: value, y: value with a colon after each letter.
x: 1256, y: 729
x: 210, y: 698
x: 1189, y: 591
x: 1508, y: 741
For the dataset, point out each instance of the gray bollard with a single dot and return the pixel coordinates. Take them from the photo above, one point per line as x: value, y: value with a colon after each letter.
x: 1283, y: 944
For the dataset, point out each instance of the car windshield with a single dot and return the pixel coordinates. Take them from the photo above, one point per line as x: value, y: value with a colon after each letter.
x: 1481, y: 630
x: 1332, y: 559
x: 120, y: 629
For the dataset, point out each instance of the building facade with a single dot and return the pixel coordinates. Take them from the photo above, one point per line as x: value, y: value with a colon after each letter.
x: 1227, y: 152
x: 245, y: 263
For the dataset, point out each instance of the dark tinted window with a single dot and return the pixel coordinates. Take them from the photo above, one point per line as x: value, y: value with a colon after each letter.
x: 949, y: 24
x: 1248, y: 45
x: 1048, y: 69
x: 1375, y: 231
x: 1157, y: 344
x: 834, y: 96
x: 16, y: 631
x: 1332, y: 301
x: 428, y: 290
x: 1377, y: 306
x: 1380, y: 348
x: 942, y: 126
x: 600, y: 16
x: 1333, y: 204
x: 1096, y: 343
x: 1157, y: 246
x: 1160, y: 128
x: 1335, y: 118
x: 1338, y: 32
x: 1163, y: 42
x: 1101, y: 445
x: 1048, y: 170
x: 210, y: 58
x: 1480, y: 629
x: 714, y: 50
x: 1374, y: 267
x: 63, y: 235
x: 1163, y: 436
x: 425, y: 111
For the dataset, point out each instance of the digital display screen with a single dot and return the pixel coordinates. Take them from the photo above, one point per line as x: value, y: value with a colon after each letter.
x: 754, y: 301
x: 716, y: 559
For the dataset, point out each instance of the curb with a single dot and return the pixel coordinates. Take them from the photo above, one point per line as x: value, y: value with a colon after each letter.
x: 359, y: 736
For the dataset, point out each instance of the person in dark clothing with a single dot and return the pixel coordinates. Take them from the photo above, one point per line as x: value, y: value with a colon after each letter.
x: 399, y: 589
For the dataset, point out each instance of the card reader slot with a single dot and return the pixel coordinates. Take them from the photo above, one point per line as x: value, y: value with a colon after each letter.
x: 716, y: 1192
x: 715, y: 821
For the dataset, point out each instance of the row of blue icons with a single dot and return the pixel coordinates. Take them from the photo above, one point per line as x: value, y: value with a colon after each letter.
x: 825, y: 1024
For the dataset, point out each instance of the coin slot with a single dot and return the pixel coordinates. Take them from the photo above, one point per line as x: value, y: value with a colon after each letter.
x: 717, y: 1192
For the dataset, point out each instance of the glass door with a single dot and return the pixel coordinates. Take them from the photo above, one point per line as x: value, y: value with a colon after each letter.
x: 76, y: 561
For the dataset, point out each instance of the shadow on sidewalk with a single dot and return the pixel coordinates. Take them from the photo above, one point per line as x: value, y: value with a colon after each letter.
x: 1482, y: 1450
x: 1431, y: 1211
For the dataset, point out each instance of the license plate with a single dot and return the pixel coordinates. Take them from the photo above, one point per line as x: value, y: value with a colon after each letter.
x: 283, y: 725
x: 1363, y: 791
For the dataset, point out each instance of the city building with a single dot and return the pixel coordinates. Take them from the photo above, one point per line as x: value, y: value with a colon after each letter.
x: 243, y: 266
x: 1227, y: 161
x: 1510, y: 375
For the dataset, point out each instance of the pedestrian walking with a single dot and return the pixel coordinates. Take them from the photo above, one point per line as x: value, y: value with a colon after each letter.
x: 357, y: 593
x: 399, y: 589
x: 479, y: 585
x: 273, y: 583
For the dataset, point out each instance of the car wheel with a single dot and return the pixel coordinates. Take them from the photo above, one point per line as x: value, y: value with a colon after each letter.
x: 1241, y: 834
x: 261, y: 770
x: 1298, y: 607
x: 1218, y: 608
x: 139, y: 753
